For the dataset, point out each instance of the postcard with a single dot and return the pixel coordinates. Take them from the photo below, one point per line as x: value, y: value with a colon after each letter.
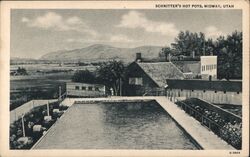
x: 124, y: 78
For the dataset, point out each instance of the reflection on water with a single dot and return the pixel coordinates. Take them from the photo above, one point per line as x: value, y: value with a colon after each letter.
x: 116, y: 126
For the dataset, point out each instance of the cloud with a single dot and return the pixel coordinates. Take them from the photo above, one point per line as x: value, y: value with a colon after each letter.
x: 213, y: 32
x: 70, y: 40
x: 81, y: 40
x: 121, y: 38
x: 25, y: 19
x: 54, y: 21
x: 108, y: 38
x: 135, y: 19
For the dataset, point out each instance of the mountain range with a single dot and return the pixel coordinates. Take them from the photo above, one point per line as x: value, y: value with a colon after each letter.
x: 100, y: 52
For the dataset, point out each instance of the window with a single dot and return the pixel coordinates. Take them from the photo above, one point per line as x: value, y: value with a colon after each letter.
x: 83, y: 88
x: 238, y: 92
x: 135, y: 81
x: 77, y: 87
x: 131, y: 80
x: 225, y: 92
x: 90, y: 88
x: 96, y: 88
x: 215, y: 91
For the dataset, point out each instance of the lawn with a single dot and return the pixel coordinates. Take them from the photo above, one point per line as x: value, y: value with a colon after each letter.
x: 44, y: 86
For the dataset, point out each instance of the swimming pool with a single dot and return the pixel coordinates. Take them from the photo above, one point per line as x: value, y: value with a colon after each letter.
x: 116, y: 125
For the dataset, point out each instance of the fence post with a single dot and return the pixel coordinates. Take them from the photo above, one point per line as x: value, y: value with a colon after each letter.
x: 15, y: 115
x: 209, y: 125
x: 60, y: 93
x: 23, y: 126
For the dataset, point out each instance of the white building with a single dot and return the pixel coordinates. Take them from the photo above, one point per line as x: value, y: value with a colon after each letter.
x: 208, y: 67
x: 76, y: 89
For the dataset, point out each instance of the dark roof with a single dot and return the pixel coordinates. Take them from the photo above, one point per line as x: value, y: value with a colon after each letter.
x: 161, y: 71
x: 233, y: 86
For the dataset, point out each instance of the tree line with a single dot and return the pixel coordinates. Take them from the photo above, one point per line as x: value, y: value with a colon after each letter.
x: 227, y: 48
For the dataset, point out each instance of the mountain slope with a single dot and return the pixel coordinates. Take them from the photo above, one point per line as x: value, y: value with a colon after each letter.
x: 100, y: 52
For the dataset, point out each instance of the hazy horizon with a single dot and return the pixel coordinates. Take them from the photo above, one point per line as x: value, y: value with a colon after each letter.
x: 36, y: 32
x: 82, y: 48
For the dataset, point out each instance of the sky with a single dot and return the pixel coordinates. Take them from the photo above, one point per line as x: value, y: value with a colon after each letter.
x: 35, y: 32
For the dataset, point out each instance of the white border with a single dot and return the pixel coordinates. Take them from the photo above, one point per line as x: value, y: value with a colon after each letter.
x: 4, y: 76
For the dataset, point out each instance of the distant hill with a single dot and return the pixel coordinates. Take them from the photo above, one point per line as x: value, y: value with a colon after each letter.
x: 99, y: 52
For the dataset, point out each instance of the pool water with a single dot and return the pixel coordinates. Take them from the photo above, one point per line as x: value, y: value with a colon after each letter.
x: 124, y: 125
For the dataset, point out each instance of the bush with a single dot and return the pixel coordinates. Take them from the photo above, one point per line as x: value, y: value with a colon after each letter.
x: 84, y: 76
x: 34, y: 117
x: 21, y: 71
x: 229, y: 130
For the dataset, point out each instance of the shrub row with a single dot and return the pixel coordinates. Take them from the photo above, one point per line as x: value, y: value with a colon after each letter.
x: 230, y: 130
x: 33, y: 118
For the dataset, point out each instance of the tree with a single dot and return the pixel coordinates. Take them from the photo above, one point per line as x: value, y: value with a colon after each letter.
x: 187, y: 42
x: 84, y: 76
x: 21, y: 71
x: 209, y: 47
x: 228, y: 49
x: 111, y: 73
x: 229, y: 52
x: 165, y: 52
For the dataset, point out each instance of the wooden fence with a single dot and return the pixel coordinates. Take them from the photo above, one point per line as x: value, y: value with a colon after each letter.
x: 25, y: 108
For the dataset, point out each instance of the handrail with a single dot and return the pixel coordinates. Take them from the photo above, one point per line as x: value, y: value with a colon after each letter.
x: 201, y: 115
x: 202, y: 121
x: 63, y: 96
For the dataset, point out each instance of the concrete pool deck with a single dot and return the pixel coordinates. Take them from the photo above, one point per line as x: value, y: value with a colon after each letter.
x: 205, y: 138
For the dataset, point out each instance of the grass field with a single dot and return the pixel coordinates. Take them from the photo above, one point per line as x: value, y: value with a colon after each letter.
x: 48, y: 68
x: 42, y: 81
x: 37, y: 87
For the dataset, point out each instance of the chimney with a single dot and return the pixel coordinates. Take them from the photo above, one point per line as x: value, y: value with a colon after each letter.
x: 138, y: 57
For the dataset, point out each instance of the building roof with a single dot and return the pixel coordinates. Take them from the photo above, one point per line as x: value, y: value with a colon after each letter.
x: 83, y: 83
x: 232, y: 86
x: 161, y: 71
x: 188, y: 66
